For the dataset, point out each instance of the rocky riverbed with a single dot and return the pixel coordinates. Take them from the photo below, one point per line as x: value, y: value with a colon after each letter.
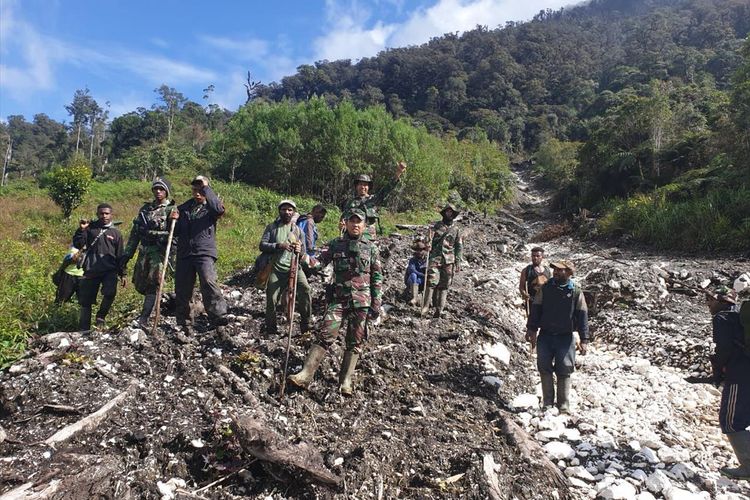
x: 444, y: 408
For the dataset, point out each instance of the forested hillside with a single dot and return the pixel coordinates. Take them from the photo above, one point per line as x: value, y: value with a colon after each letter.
x: 638, y: 110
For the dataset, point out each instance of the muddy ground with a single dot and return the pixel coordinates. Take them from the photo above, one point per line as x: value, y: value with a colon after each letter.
x: 435, y: 411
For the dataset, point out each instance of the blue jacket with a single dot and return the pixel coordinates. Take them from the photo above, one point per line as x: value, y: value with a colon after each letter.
x: 196, y: 227
x: 310, y: 231
x: 415, y: 266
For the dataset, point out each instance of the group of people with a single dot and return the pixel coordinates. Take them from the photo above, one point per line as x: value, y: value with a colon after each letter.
x: 556, y: 309
x: 100, y: 256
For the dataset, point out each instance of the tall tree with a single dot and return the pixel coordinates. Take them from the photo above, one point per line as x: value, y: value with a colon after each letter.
x: 172, y: 103
x: 81, y: 109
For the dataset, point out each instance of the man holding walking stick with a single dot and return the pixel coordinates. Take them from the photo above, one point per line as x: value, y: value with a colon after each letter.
x: 149, y: 236
x: 197, y: 254
x: 281, y: 242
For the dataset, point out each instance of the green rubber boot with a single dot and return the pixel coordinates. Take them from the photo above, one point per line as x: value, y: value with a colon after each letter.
x: 312, y: 362
x: 348, y: 364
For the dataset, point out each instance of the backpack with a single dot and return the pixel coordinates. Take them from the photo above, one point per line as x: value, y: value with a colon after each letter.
x: 744, y: 311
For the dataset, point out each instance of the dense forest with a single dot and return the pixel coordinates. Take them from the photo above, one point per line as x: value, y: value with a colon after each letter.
x: 636, y: 109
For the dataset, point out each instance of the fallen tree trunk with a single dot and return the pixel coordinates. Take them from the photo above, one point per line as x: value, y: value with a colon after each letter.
x: 92, y: 421
x: 535, y: 455
x: 267, y: 445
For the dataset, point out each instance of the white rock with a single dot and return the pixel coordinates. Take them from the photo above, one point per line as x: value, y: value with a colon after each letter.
x: 639, y: 475
x: 492, y: 381
x: 619, y: 490
x: 3, y: 435
x: 571, y: 434
x: 741, y: 283
x: 649, y: 455
x: 524, y: 401
x: 680, y: 494
x: 558, y: 451
x: 658, y: 482
x: 580, y: 473
x: 236, y: 294
x: 168, y: 379
x: 197, y: 443
x: 338, y: 461
x: 497, y: 351
x: 645, y: 495
x: 670, y: 455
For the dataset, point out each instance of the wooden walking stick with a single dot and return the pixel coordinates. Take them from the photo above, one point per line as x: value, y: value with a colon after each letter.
x: 291, y: 299
x: 163, y: 275
x: 426, y: 275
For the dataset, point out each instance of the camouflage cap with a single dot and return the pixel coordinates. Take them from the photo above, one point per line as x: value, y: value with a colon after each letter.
x: 287, y: 202
x: 563, y: 264
x: 355, y: 212
x: 723, y: 294
x: 162, y: 183
x: 363, y: 178
x: 452, y: 207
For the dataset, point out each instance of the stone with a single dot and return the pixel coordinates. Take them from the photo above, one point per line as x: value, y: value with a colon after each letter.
x: 557, y: 450
x: 580, y: 473
x: 658, y: 482
x: 524, y: 401
x: 644, y: 495
x: 639, y: 475
x: 497, y: 351
x: 618, y: 490
x: 681, y: 472
x: 649, y: 455
x: 680, y: 494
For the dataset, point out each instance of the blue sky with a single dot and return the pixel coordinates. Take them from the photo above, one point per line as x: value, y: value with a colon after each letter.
x: 123, y: 50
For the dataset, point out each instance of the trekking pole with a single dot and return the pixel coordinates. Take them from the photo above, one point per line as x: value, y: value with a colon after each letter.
x: 163, y: 275
x: 291, y: 299
x: 426, y: 275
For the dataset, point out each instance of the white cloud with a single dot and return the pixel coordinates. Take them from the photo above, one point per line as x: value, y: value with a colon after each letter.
x: 352, y: 35
x: 248, y: 49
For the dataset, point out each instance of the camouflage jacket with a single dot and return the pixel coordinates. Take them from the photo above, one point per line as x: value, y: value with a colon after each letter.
x: 369, y: 205
x: 150, y: 227
x: 358, y: 274
x: 447, y: 244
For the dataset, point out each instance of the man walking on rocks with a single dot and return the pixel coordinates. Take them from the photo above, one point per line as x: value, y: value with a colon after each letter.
x: 197, y: 254
x: 444, y: 259
x: 731, y: 365
x: 101, y: 245
x: 369, y: 203
x: 533, y: 276
x: 150, y: 231
x: 559, y: 309
x: 280, y: 241
x: 356, y: 297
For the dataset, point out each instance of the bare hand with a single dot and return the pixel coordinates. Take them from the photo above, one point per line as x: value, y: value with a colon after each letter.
x: 175, y: 214
x: 296, y: 247
x: 531, y: 338
x: 582, y: 348
x: 400, y: 169
x: 124, y: 282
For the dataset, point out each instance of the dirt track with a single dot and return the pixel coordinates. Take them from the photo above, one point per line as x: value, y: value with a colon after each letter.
x: 435, y: 414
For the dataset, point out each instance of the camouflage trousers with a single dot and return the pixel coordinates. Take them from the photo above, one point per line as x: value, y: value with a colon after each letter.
x: 440, y: 276
x: 147, y: 270
x: 356, y: 332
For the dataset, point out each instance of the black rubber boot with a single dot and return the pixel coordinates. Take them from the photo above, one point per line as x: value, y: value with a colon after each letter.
x: 84, y: 319
x: 312, y: 362
x: 149, y: 301
x: 740, y: 442
x: 563, y: 393
x: 104, y: 308
x: 348, y: 364
x: 548, y: 390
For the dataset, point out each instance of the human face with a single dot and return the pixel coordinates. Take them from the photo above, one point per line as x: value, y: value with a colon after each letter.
x: 562, y: 275
x: 536, y: 258
x: 362, y: 188
x: 104, y: 215
x: 355, y: 226
x: 714, y: 305
x: 285, y: 213
x: 198, y: 194
x: 318, y: 215
x: 448, y: 214
x: 159, y: 194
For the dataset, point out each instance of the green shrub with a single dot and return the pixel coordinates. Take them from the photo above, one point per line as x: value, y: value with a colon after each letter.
x: 68, y: 185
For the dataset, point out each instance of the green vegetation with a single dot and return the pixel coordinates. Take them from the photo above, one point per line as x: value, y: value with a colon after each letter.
x: 68, y: 185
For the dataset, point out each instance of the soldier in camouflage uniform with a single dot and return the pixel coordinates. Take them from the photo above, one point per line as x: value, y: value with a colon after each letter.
x: 369, y: 203
x: 444, y: 260
x: 356, y: 297
x: 150, y: 231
